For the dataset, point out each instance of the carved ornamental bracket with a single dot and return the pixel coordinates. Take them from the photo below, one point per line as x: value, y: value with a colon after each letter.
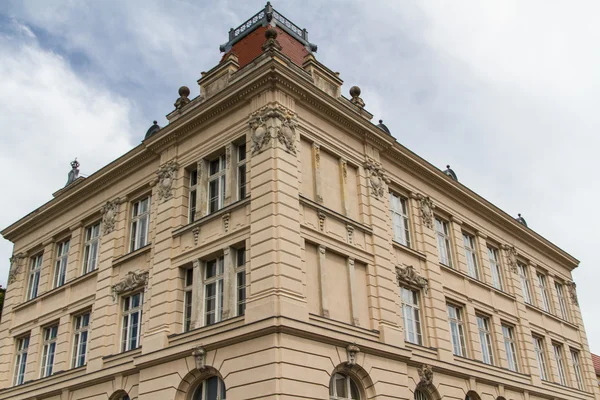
x: 15, y: 267
x: 166, y: 177
x: 352, y: 351
x: 409, y: 276
x: 109, y: 215
x: 273, y: 121
x: 376, y: 178
x: 572, y: 289
x: 511, y: 258
x: 199, y: 355
x: 426, y: 210
x: 132, y: 281
x: 425, y: 375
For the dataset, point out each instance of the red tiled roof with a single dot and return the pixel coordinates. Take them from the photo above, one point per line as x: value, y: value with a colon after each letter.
x: 250, y: 47
x: 596, y: 361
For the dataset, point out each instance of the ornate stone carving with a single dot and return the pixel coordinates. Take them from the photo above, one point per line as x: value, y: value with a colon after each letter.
x: 273, y: 121
x: 260, y: 136
x: 109, y: 215
x: 15, y: 267
x: 226, y: 217
x: 228, y: 157
x: 199, y: 355
x: 376, y: 178
x: 322, y: 249
x: 350, y: 230
x: 287, y: 133
x: 572, y: 289
x: 410, y: 276
x: 425, y: 375
x: 317, y: 155
x: 166, y: 177
x: 426, y: 210
x: 345, y: 170
x: 196, y: 233
x: 352, y: 351
x: 73, y: 173
x: 132, y: 281
x: 183, y: 99
x: 511, y: 257
x: 355, y: 94
x: 322, y: 217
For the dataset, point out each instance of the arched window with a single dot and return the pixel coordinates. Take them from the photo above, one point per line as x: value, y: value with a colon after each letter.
x: 420, y: 395
x: 211, y: 388
x: 472, y: 396
x: 342, y: 387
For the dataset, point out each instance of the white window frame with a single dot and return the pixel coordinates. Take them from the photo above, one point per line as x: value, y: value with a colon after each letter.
x: 562, y: 301
x: 34, y: 276
x: 49, y: 336
x: 81, y: 329
x: 220, y: 178
x: 510, y: 346
x: 470, y: 245
x: 241, y: 171
x: 240, y: 279
x: 494, y: 259
x: 91, y: 248
x: 22, y: 348
x: 193, y: 194
x: 540, y: 355
x: 577, y: 369
x: 188, y: 298
x: 419, y: 395
x: 444, y: 243
x: 411, y: 317
x: 127, y: 342
x: 140, y: 217
x: 485, y: 339
x: 60, y: 265
x: 560, y: 363
x: 203, y: 387
x: 457, y: 330
x: 400, y: 222
x: 543, y: 285
x: 525, y: 286
x: 348, y: 383
x: 218, y: 281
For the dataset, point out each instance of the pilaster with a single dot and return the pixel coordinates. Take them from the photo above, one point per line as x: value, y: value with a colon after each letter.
x: 323, y: 280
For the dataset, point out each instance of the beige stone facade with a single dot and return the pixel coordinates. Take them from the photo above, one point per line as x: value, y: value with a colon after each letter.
x: 346, y: 263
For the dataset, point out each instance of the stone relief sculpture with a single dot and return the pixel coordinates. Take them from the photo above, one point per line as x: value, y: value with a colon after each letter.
x: 15, y: 267
x: 196, y: 233
x: 376, y: 178
x: 352, y: 351
x: 425, y: 375
x: 132, y: 281
x: 109, y: 215
x: 269, y: 122
x: 199, y: 355
x: 572, y: 289
x: 511, y: 257
x: 426, y: 210
x: 287, y: 133
x: 166, y: 176
x: 410, y: 276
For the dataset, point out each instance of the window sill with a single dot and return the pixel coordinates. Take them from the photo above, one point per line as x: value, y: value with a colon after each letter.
x: 133, y: 254
x: 120, y: 356
x: 563, y: 387
x: 477, y: 281
x: 210, y: 217
x: 478, y: 364
x: 552, y: 316
x: 420, y: 347
x: 408, y: 250
x: 331, y: 213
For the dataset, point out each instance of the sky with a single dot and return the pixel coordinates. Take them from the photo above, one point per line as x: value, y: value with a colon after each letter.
x: 505, y: 92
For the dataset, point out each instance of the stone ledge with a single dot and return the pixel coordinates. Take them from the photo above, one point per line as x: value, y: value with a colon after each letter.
x: 131, y: 255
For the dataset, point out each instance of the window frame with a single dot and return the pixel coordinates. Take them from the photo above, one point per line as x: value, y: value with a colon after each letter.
x: 562, y: 300
x: 495, y: 267
x: 525, y: 283
x: 400, y: 210
x: 218, y: 280
x: 79, y: 330
x: 240, y: 281
x: 444, y: 240
x: 510, y: 347
x: 459, y: 321
x: 577, y: 369
x: 49, y: 340
x: 349, y: 382
x: 192, y: 193
x: 127, y: 313
x: 470, y: 246
x: 60, y: 263
x: 220, y: 176
x: 203, y: 386
x: 542, y: 281
x: 33, y: 281
x: 415, y: 310
x: 188, y: 298
x: 242, y: 182
x: 484, y: 328
x: 91, y: 246
x: 559, y: 358
x: 22, y: 350
x: 137, y: 216
x: 540, y: 355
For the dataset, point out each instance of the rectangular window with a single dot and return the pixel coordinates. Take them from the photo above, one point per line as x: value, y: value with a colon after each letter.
x: 241, y: 171
x: 90, y: 250
x: 443, y: 240
x: 213, y: 291
x: 577, y: 369
x: 188, y: 299
x: 538, y: 347
x: 140, y: 219
x: 494, y: 258
x: 34, y: 276
x: 399, y: 212
x: 216, y: 184
x: 485, y: 337
x: 560, y: 363
x: 562, y: 302
x: 457, y: 330
x: 241, y: 281
x: 524, y: 282
x: 132, y: 321
x: 193, y: 195
x: 543, y: 284
x: 49, y: 336
x: 410, y: 315
x: 60, y: 266
x: 80, y: 340
x: 508, y: 333
x: 21, y: 360
x: 471, y: 255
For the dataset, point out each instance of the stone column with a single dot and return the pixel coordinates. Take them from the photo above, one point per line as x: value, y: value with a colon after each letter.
x: 197, y: 289
x: 62, y: 361
x: 483, y: 262
x: 229, y: 283
x: 316, y: 149
x: 323, y: 280
x: 230, y: 183
x: 457, y: 246
x: 344, y: 186
x: 352, y: 288
x: 75, y: 261
x: 202, y: 189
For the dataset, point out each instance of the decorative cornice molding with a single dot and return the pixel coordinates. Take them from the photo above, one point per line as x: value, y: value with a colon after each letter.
x: 131, y: 281
x: 408, y: 275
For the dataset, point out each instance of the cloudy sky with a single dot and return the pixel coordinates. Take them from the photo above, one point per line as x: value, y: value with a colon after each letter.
x: 506, y: 92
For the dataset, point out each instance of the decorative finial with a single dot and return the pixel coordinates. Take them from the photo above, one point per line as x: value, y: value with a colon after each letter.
x: 152, y: 130
x: 355, y: 93
x: 183, y: 99
x: 74, y: 172
x: 271, y: 43
x: 271, y: 33
x: 450, y: 173
x: 383, y: 127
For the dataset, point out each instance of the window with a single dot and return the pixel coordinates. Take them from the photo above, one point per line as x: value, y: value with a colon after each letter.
x: 213, y: 290
x: 510, y: 347
x: 399, y: 211
x: 188, y: 299
x: 471, y: 255
x: 410, y: 315
x: 560, y: 363
x: 443, y: 240
x: 212, y: 388
x: 132, y: 321
x: 342, y: 387
x: 80, y: 339
x: 524, y: 282
x: 193, y: 195
x: 485, y: 337
x: 216, y: 184
x: 538, y: 347
x: 60, y: 266
x: 577, y: 369
x: 90, y: 250
x: 21, y: 360
x: 140, y: 219
x: 34, y: 277
x: 241, y: 281
x: 544, y: 291
x: 562, y: 302
x: 457, y: 330
x: 420, y: 395
x: 241, y: 171
x: 49, y: 349
x: 494, y: 258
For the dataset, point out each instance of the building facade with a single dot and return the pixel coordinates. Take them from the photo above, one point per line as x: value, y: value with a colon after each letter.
x: 271, y: 242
